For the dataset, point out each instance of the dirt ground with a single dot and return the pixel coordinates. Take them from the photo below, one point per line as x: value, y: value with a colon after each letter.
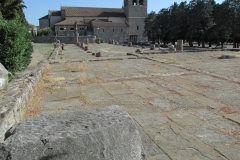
x: 186, y: 105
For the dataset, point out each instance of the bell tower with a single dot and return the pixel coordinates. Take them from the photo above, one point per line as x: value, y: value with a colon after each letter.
x: 136, y: 12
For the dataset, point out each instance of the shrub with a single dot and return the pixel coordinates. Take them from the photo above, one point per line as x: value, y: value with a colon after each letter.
x: 101, y: 40
x: 15, y: 45
x: 45, y: 32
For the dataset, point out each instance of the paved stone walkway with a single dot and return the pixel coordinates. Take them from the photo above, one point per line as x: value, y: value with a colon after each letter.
x: 187, y: 105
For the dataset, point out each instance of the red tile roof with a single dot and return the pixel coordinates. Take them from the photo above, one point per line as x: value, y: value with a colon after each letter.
x: 54, y: 13
x: 108, y: 24
x: 93, y: 12
x: 68, y: 22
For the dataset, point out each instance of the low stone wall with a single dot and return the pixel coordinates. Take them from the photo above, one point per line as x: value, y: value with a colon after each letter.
x: 15, y: 97
x: 103, y: 134
x: 66, y: 39
x: 55, y: 52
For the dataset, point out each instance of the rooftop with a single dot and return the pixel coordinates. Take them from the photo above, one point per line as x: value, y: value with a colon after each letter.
x: 93, y: 12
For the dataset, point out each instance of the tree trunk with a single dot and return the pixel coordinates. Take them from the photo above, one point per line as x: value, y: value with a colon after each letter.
x: 222, y: 44
x: 234, y: 43
x: 203, y: 44
x: 199, y: 43
x: 190, y: 43
x: 210, y: 44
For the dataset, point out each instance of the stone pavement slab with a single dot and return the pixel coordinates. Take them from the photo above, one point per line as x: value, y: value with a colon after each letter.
x: 182, y: 109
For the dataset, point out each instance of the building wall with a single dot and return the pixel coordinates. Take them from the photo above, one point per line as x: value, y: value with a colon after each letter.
x: 136, y: 15
x: 137, y: 26
x: 54, y: 20
x: 68, y: 32
x: 120, y: 34
x: 43, y: 23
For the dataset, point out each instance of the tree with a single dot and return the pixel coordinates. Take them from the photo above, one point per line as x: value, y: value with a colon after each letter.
x: 234, y: 17
x: 150, y: 25
x: 163, y: 20
x: 200, y: 19
x: 221, y: 31
x: 179, y: 21
x: 15, y: 45
x: 11, y: 9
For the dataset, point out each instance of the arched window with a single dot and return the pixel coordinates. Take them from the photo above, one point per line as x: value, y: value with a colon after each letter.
x: 113, y: 30
x: 137, y: 27
x: 103, y: 30
x: 134, y: 2
x: 141, y: 2
x: 81, y: 28
x: 61, y: 29
x: 71, y: 29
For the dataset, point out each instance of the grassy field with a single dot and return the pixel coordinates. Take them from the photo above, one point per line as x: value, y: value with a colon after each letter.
x: 43, y: 48
x: 41, y: 51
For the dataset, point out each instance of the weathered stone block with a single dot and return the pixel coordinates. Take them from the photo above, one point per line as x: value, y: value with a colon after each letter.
x: 179, y: 46
x: 3, y: 77
x: 99, y: 54
x: 153, y: 47
x: 130, y: 44
x: 101, y: 134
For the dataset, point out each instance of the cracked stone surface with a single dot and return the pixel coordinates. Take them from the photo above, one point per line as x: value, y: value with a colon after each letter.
x: 104, y: 134
x: 186, y: 105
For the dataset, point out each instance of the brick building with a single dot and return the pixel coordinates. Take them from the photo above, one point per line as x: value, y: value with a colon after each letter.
x: 120, y: 24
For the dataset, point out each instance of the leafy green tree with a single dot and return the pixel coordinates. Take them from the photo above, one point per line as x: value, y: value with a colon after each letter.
x: 234, y: 19
x: 163, y: 20
x: 11, y: 9
x: 221, y: 31
x: 200, y: 19
x: 179, y: 21
x: 149, y: 29
x: 15, y: 45
x: 45, y: 31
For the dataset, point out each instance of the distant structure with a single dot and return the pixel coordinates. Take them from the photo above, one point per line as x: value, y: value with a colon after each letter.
x: 119, y: 24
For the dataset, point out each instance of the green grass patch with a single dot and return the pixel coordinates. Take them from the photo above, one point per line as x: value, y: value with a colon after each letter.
x: 43, y: 48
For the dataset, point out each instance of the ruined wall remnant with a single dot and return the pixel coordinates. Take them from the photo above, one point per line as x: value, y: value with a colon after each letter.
x: 3, y: 77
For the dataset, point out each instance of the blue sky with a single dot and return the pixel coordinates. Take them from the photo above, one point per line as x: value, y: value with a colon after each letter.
x: 37, y: 9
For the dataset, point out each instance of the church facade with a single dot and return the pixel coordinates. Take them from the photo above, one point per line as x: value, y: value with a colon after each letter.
x: 119, y: 24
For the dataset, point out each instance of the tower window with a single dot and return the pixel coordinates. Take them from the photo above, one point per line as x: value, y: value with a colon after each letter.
x: 113, y: 30
x: 134, y: 2
x: 103, y: 30
x: 137, y: 27
x: 141, y: 2
x: 121, y: 29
